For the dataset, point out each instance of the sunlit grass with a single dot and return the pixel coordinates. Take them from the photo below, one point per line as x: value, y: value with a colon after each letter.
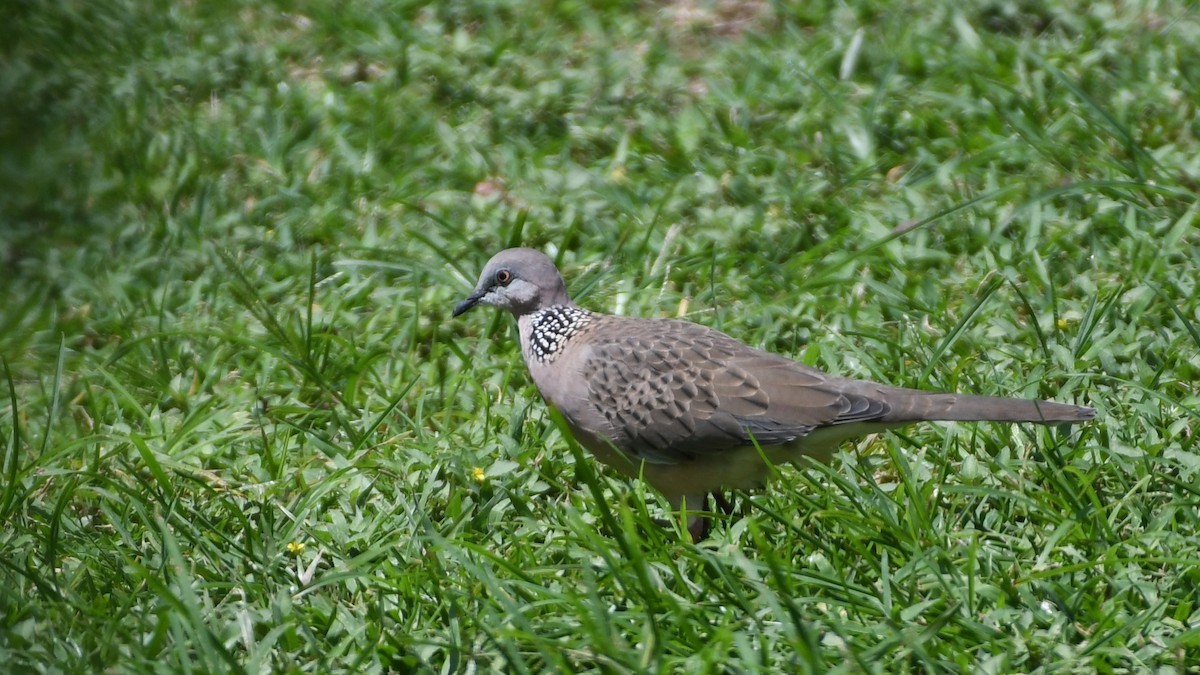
x: 241, y: 432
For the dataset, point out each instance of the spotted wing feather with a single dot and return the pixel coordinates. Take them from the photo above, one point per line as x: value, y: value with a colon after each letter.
x: 671, y: 390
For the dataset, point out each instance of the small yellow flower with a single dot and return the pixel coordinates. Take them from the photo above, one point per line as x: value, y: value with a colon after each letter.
x: 1062, y: 324
x: 617, y: 175
x: 296, y: 547
x: 478, y: 474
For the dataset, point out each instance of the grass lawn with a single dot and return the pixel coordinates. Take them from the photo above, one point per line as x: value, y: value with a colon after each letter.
x: 241, y: 432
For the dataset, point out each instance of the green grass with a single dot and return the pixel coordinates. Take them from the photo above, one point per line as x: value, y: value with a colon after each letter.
x: 242, y: 433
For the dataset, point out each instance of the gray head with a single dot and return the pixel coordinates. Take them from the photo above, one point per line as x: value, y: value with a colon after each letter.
x: 520, y: 280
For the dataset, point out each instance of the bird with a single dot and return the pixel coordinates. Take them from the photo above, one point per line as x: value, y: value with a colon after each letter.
x: 691, y: 410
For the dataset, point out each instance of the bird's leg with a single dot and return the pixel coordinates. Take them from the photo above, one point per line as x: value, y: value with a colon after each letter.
x: 699, y: 527
x: 692, y: 508
x: 724, y: 503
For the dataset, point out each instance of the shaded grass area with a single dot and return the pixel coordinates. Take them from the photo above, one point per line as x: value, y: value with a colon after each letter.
x: 242, y: 433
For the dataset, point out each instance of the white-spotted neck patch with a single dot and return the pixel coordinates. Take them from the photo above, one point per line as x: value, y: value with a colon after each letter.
x: 551, y: 328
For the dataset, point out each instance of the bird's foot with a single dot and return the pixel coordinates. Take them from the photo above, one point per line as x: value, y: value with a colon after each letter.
x: 699, y: 528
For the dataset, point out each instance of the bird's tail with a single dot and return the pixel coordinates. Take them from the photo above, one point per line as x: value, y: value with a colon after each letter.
x: 913, y: 406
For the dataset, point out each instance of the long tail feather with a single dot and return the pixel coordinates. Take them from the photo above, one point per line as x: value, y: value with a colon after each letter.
x: 913, y: 406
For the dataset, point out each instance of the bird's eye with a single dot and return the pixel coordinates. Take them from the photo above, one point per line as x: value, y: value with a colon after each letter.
x: 503, y: 277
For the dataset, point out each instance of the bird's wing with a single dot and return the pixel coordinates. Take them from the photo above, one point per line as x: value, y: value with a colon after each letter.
x: 671, y: 390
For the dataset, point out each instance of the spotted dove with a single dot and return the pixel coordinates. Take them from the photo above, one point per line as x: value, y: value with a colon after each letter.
x: 684, y: 406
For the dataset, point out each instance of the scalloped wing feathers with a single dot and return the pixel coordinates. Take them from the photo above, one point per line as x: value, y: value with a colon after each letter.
x: 672, y: 390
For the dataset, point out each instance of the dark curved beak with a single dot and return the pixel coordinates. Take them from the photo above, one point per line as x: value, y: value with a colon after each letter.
x: 469, y: 302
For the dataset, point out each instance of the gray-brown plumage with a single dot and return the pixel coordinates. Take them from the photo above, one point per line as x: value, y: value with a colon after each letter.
x: 683, y: 405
